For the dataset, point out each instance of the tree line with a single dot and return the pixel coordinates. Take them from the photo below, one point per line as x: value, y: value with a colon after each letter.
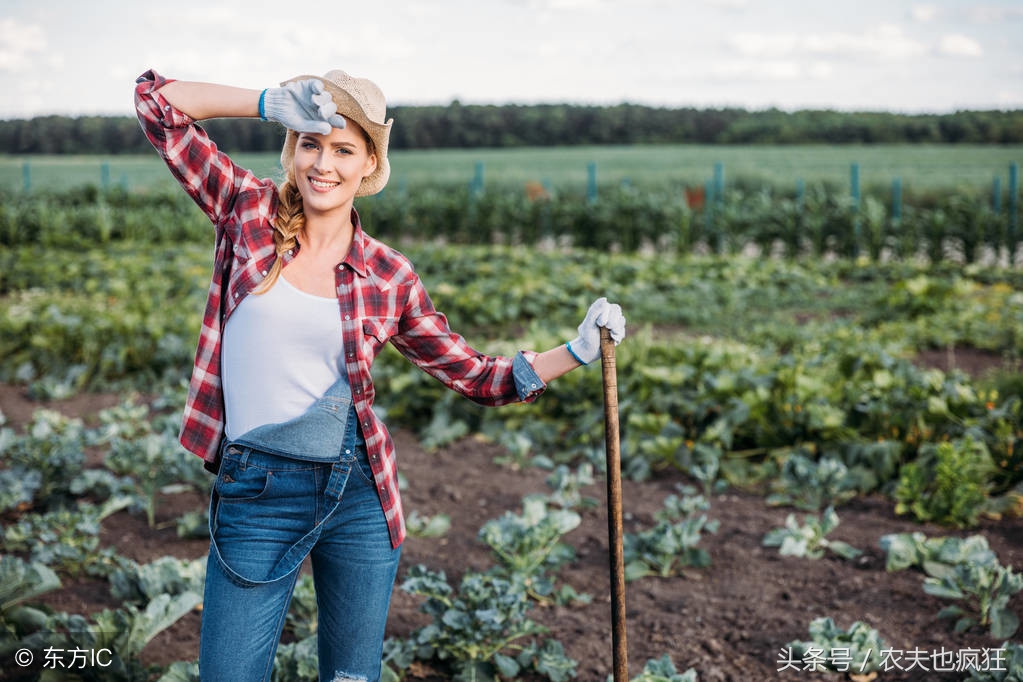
x: 470, y: 125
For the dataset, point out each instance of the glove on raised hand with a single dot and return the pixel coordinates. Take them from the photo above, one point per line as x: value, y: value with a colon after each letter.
x: 304, y: 106
x: 586, y: 347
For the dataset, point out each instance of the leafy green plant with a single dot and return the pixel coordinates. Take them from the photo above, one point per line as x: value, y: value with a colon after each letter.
x: 672, y: 543
x: 51, y: 453
x: 948, y: 483
x: 528, y: 546
x: 566, y: 486
x: 478, y: 629
x: 1007, y: 665
x: 937, y: 557
x: 813, y: 485
x: 663, y: 670
x: 158, y: 463
x: 810, y: 539
x: 123, y: 632
x: 986, y: 591
x: 420, y: 526
x: 64, y: 539
x: 21, y: 581
x: 140, y: 584
x: 832, y: 649
x: 296, y: 661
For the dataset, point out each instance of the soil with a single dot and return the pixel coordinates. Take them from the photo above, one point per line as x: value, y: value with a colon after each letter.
x: 729, y: 621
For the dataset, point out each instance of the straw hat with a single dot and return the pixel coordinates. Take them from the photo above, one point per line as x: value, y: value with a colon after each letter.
x: 361, y: 101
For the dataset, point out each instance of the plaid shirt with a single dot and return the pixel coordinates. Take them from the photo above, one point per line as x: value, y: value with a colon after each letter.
x: 380, y: 296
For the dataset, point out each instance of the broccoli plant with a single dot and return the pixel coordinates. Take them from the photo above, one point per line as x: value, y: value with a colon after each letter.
x: 809, y: 540
x: 937, y: 557
x: 528, y: 546
x: 140, y: 584
x: 813, y: 485
x: 20, y: 582
x: 1009, y: 667
x: 64, y: 539
x: 830, y: 648
x: 672, y: 543
x: 480, y: 629
x: 986, y: 591
x: 663, y: 670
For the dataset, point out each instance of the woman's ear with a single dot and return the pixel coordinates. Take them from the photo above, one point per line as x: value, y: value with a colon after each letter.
x: 370, y: 166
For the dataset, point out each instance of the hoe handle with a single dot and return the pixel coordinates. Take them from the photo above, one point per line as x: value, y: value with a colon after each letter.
x: 614, y: 505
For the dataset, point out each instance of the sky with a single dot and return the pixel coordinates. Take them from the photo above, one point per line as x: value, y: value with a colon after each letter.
x: 81, y: 58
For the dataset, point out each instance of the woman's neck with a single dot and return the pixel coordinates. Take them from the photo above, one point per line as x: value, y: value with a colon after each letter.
x: 327, y: 235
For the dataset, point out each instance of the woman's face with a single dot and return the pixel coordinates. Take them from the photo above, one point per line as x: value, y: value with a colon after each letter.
x: 329, y: 168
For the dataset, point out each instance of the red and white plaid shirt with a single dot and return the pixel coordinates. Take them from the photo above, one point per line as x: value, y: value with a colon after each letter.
x: 381, y: 299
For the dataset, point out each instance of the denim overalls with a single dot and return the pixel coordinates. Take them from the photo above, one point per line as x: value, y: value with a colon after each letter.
x: 283, y: 492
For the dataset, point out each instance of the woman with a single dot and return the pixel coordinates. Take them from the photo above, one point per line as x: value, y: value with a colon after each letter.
x: 280, y: 401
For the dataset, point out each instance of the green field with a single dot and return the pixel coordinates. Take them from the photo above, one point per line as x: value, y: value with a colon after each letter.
x: 920, y: 167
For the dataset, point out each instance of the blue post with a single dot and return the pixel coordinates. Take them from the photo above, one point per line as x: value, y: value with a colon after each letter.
x: 800, y: 195
x: 996, y: 195
x: 719, y: 182
x: 897, y: 199
x: 104, y: 175
x: 477, y: 179
x: 591, y: 182
x: 854, y: 185
x: 1013, y: 209
x: 26, y: 177
x: 854, y: 190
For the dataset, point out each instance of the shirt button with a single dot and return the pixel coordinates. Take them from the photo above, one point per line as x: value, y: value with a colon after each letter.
x: 291, y: 251
x: 348, y: 317
x: 264, y: 273
x: 341, y: 267
x: 348, y: 452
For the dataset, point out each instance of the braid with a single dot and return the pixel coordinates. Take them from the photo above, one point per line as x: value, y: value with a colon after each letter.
x: 290, y: 221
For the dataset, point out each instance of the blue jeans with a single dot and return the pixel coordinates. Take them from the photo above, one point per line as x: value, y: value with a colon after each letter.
x: 267, y: 513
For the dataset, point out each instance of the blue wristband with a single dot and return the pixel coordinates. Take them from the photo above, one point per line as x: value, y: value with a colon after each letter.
x: 568, y: 345
x: 262, y: 95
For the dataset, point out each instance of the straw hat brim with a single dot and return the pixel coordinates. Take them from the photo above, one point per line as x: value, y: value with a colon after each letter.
x: 350, y: 108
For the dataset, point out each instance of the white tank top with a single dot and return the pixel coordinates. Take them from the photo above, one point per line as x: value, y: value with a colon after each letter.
x: 281, y: 351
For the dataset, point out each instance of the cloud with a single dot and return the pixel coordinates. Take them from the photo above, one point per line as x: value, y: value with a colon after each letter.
x: 958, y: 45
x: 19, y: 43
x: 886, y: 41
x: 769, y: 70
x: 923, y: 13
x: 993, y: 14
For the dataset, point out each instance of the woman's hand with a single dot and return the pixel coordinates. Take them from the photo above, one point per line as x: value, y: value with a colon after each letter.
x: 304, y: 106
x: 585, y: 348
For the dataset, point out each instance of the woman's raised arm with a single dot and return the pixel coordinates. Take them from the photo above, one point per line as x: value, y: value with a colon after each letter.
x: 203, y: 101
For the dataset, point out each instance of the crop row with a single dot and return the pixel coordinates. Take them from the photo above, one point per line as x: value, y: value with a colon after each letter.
x: 818, y: 222
x: 763, y: 357
x: 53, y: 508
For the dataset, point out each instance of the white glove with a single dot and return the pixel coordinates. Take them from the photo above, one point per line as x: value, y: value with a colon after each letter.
x: 304, y: 106
x: 586, y: 347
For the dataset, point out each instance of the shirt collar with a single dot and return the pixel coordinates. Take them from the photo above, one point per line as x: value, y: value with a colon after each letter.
x: 356, y: 258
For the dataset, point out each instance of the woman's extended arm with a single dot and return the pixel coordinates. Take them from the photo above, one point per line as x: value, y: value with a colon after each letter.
x: 553, y: 363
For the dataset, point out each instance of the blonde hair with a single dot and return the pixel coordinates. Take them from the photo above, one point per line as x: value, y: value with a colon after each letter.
x: 289, y: 223
x: 291, y: 214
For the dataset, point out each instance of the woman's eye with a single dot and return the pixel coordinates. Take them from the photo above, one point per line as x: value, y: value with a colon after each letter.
x: 308, y: 145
